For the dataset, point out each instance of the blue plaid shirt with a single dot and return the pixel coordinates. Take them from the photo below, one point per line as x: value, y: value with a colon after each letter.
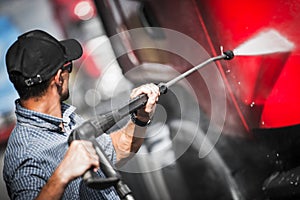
x: 36, y: 147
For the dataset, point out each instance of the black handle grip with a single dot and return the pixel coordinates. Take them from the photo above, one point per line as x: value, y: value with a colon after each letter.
x: 137, y: 102
x: 141, y: 100
x: 93, y: 180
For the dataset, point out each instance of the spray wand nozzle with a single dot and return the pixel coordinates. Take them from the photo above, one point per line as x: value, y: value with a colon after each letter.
x: 228, y: 55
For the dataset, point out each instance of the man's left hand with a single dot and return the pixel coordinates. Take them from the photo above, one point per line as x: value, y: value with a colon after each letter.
x: 152, y: 91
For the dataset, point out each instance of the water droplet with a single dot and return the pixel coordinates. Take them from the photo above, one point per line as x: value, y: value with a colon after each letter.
x: 263, y: 123
x: 252, y: 104
x: 277, y: 154
x: 228, y: 71
x: 239, y: 82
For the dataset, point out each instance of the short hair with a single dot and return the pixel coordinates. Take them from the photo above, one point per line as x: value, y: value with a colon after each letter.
x: 25, y: 92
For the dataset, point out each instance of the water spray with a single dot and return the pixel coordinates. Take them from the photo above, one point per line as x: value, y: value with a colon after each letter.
x: 263, y: 43
x: 98, y: 125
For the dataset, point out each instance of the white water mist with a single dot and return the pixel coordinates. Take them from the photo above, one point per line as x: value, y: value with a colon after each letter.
x: 266, y: 42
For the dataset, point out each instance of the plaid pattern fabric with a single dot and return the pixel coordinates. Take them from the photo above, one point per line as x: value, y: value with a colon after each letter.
x: 36, y: 147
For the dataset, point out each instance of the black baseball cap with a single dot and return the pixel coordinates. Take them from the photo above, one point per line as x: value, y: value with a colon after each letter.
x: 37, y: 56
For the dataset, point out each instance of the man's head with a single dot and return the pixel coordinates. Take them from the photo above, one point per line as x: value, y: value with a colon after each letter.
x: 35, y: 58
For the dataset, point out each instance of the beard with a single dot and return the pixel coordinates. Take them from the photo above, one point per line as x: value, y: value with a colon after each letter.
x: 63, y: 88
x: 64, y: 95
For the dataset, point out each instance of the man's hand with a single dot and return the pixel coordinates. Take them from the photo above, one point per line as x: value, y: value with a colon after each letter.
x: 80, y: 157
x: 129, y: 139
x: 152, y: 91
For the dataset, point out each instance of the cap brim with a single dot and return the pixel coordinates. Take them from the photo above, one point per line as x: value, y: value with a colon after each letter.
x: 73, y: 49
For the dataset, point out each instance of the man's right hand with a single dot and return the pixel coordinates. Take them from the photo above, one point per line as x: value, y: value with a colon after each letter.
x: 80, y: 157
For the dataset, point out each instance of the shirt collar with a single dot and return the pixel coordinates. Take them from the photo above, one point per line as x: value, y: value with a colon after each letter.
x: 42, y: 120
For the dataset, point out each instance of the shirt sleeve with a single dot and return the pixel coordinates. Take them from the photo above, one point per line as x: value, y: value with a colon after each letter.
x: 27, y: 181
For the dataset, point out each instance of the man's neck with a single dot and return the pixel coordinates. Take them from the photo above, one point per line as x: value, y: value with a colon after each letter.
x: 45, y: 104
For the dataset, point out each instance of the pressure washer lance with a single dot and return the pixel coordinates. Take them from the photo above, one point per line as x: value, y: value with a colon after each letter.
x: 100, y: 124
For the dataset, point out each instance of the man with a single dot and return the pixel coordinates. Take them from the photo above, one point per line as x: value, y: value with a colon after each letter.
x: 39, y: 163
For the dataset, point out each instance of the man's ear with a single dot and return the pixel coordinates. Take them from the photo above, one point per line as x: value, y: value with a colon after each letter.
x: 57, y: 78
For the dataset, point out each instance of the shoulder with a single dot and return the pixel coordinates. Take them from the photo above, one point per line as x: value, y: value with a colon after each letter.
x: 23, y: 144
x: 19, y: 145
x: 24, y: 159
x: 23, y: 136
x: 20, y: 156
